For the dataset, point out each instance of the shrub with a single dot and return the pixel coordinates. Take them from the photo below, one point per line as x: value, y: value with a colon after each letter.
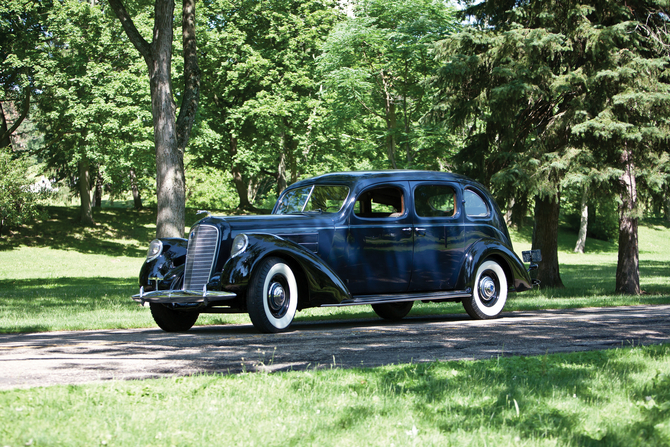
x: 18, y: 203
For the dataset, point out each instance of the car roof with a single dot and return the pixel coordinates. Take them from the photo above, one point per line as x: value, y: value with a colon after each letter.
x: 356, y: 177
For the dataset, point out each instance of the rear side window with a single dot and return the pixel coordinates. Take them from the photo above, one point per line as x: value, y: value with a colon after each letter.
x: 475, y: 206
x: 435, y: 201
x: 387, y: 201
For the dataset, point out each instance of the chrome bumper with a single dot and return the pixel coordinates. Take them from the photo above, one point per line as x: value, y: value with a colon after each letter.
x: 182, y: 296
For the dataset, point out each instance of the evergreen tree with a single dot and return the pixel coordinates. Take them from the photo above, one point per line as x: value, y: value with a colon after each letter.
x: 542, y: 87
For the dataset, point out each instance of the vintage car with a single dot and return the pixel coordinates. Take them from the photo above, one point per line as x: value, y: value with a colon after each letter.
x: 386, y: 238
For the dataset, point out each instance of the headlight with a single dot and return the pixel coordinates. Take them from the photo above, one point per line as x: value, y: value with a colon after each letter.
x: 239, y: 245
x: 155, y: 249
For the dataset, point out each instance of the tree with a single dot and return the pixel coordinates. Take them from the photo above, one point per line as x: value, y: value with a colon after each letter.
x: 261, y: 106
x: 540, y: 80
x: 18, y: 203
x: 375, y: 65
x: 171, y: 133
x: 21, y: 28
x: 503, y: 88
x: 92, y: 105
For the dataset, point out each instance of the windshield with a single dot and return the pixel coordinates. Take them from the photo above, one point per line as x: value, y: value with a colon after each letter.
x: 315, y: 198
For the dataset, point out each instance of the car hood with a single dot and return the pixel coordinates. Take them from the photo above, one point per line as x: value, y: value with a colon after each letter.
x: 272, y: 223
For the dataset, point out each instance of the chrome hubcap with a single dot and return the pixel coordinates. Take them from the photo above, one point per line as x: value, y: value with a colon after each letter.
x: 277, y: 297
x: 487, y: 288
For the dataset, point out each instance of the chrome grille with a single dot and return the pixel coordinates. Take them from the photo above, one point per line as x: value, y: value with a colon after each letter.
x: 202, y: 243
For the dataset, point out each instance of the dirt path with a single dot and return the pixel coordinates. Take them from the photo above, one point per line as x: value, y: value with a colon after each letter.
x: 50, y: 358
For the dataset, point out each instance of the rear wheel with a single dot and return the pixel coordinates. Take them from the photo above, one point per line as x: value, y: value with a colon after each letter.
x: 171, y: 320
x: 489, y: 293
x: 393, y: 311
x: 272, y: 297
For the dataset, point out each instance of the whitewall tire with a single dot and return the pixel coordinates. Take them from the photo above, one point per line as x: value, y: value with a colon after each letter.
x: 272, y: 296
x: 489, y: 292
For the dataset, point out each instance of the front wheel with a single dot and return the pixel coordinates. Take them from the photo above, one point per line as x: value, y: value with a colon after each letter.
x: 489, y: 293
x: 393, y: 311
x: 171, y: 320
x: 272, y: 297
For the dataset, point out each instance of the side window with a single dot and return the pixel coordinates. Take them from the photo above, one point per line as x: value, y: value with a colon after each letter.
x: 386, y: 201
x: 475, y: 206
x: 435, y: 201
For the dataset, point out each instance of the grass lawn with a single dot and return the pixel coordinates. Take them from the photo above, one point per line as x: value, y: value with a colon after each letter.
x: 57, y: 275
x: 618, y: 397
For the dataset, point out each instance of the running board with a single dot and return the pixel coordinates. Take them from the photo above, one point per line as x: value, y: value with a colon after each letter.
x: 401, y: 297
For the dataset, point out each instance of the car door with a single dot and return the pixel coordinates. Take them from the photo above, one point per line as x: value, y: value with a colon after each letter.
x: 438, y: 236
x: 380, y: 241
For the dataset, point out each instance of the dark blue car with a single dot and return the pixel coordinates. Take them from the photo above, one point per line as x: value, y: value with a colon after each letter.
x: 387, y: 238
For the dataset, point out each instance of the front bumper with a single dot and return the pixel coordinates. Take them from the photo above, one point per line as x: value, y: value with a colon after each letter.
x: 182, y: 296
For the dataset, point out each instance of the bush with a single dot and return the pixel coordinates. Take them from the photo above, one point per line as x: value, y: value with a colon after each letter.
x: 18, y: 204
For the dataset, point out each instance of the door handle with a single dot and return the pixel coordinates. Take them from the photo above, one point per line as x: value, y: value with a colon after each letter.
x: 420, y: 231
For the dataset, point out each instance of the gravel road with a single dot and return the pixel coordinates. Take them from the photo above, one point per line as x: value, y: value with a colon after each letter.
x: 49, y: 358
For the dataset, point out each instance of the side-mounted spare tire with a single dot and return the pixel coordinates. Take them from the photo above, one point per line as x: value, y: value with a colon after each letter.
x: 272, y: 296
x: 489, y: 292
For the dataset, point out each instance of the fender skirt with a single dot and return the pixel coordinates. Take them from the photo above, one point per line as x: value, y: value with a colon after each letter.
x: 517, y: 275
x: 323, y: 284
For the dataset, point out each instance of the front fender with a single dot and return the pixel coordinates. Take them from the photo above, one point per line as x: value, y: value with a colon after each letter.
x: 159, y: 273
x: 323, y: 284
x: 517, y: 276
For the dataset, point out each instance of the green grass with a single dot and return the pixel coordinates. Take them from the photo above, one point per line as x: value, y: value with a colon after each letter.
x: 619, y: 397
x: 57, y: 275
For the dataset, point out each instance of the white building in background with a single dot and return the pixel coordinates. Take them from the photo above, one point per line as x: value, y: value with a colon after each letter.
x: 42, y: 184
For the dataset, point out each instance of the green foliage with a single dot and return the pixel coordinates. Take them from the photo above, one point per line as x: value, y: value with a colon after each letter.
x: 92, y: 97
x: 545, y: 88
x: 374, y: 68
x: 261, y: 115
x: 210, y: 189
x: 18, y: 203
x: 603, y: 213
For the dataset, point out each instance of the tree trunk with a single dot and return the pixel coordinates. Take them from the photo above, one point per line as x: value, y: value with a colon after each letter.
x: 509, y: 212
x: 628, y: 268
x: 584, y: 223
x: 520, y: 211
x: 137, y: 199
x: 545, y: 238
x: 390, y: 132
x: 5, y: 133
x: 170, y: 135
x: 240, y: 185
x: 97, y: 197
x: 5, y: 141
x: 281, y: 171
x: 667, y: 208
x: 86, y: 217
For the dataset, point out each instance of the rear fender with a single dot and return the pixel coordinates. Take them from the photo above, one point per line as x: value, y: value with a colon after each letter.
x: 517, y: 276
x: 323, y: 284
